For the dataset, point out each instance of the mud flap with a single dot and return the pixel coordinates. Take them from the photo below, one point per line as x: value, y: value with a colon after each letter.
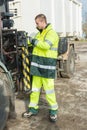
x: 69, y: 65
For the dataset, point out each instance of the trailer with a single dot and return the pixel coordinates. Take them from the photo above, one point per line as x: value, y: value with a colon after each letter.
x: 64, y: 15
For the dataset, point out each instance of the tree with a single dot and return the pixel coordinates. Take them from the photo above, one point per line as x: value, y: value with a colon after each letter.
x: 84, y: 26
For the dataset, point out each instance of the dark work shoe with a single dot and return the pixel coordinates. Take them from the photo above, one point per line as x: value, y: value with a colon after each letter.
x: 53, y: 118
x: 53, y: 115
x: 29, y: 113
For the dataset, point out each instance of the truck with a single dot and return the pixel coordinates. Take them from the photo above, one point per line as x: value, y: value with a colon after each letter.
x: 7, y: 37
x: 15, y: 52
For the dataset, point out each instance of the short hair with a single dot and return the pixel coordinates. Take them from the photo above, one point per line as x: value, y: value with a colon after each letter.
x: 42, y: 17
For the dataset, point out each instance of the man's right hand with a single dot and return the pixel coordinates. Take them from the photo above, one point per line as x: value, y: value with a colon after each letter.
x: 32, y: 40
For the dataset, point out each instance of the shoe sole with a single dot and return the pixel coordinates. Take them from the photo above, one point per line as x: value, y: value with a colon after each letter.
x: 52, y: 120
x: 28, y: 116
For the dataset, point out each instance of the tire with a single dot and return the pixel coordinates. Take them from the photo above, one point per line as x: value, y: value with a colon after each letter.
x: 4, y: 101
x: 7, y: 105
x: 69, y: 65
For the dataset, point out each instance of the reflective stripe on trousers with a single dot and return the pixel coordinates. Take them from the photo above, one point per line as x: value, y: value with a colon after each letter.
x: 48, y: 85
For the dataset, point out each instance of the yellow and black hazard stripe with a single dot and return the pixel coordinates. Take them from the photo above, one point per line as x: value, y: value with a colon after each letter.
x: 26, y: 69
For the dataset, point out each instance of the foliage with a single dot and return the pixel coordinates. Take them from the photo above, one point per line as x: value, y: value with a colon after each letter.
x: 85, y: 29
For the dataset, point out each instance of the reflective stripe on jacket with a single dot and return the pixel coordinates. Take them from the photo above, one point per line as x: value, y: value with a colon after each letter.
x: 45, y: 53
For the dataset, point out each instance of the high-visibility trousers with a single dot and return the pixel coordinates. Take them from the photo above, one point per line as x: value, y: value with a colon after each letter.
x: 48, y: 85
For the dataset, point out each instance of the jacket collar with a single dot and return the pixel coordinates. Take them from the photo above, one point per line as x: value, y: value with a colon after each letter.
x: 48, y: 26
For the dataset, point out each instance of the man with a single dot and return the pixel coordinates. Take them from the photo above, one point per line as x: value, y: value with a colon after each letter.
x: 43, y: 66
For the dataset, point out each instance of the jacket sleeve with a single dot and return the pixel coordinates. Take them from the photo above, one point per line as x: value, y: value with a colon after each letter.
x: 48, y: 41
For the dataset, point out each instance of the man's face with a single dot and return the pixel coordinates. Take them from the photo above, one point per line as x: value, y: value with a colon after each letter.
x: 39, y: 23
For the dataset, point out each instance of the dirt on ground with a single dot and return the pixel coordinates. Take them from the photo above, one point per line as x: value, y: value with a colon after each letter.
x: 71, y: 97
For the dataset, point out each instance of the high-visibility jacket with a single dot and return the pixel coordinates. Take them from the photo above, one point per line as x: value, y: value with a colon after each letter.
x: 45, y: 52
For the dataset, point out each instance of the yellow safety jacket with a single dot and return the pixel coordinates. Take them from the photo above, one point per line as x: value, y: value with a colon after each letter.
x: 45, y: 53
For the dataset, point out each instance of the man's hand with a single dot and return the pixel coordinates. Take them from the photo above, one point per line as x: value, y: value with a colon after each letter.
x: 32, y: 40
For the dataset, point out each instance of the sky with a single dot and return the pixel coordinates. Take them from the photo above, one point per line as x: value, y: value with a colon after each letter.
x: 84, y: 10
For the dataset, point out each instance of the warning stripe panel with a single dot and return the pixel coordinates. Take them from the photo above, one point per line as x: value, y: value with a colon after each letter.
x: 26, y: 70
x: 26, y: 84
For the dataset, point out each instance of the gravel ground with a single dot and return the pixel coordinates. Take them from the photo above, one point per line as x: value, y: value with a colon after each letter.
x: 71, y: 97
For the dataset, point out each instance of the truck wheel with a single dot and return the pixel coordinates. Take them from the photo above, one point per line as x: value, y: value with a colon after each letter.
x: 4, y: 100
x: 7, y: 98
x: 69, y: 65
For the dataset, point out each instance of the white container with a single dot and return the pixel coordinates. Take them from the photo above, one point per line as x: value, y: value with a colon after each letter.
x: 64, y: 15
